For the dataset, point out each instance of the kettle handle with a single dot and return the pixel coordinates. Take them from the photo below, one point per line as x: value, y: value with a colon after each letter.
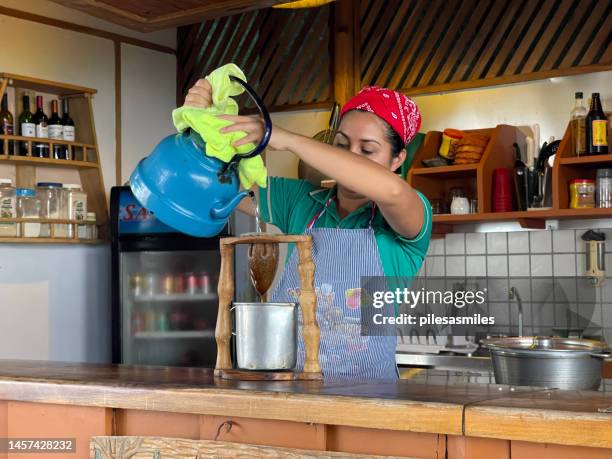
x: 266, y: 116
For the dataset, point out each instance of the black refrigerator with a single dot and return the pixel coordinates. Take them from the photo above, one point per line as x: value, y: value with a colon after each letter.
x: 164, y: 298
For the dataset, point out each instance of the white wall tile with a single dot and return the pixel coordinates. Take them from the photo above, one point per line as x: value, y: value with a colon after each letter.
x: 580, y: 244
x: 455, y: 266
x: 497, y: 243
x: 606, y: 310
x: 518, y: 265
x: 564, y: 241
x: 564, y: 265
x: 497, y: 265
x: 455, y: 244
x: 435, y: 266
x: 540, y: 241
x: 436, y: 247
x: 541, y: 265
x: 518, y: 242
x: 475, y: 243
x: 476, y: 265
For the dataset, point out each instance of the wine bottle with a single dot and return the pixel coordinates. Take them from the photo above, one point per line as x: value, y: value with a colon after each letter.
x: 577, y: 126
x: 596, y: 128
x: 27, y: 128
x: 56, y: 132
x: 6, y: 126
x: 42, y: 130
x: 69, y: 131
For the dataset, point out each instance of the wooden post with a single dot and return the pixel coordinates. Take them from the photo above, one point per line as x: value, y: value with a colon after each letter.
x: 344, y: 58
x: 308, y: 304
x: 223, y: 330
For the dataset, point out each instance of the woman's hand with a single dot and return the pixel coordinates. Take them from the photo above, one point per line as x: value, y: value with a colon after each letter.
x: 254, y: 128
x: 200, y: 95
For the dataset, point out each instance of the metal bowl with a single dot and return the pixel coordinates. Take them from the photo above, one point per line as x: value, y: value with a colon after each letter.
x: 563, y: 363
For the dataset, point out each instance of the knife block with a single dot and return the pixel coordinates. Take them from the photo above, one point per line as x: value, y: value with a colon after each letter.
x: 224, y: 367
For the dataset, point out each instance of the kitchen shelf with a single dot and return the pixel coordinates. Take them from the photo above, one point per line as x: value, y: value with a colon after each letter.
x: 179, y: 334
x: 175, y: 297
x: 434, y: 182
x: 48, y: 240
x: 85, y: 152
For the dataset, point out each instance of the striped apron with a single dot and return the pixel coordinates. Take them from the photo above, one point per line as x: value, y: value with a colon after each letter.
x: 341, y: 257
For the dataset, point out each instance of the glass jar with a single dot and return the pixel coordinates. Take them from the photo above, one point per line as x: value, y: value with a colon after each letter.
x: 28, y: 206
x: 603, y: 188
x: 50, y: 194
x: 582, y: 193
x: 75, y: 204
x: 8, y: 208
x: 89, y: 232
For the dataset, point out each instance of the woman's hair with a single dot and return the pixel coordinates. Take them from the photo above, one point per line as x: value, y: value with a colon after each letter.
x: 394, y: 139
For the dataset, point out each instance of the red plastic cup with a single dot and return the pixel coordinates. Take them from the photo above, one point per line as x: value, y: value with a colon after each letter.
x: 502, y: 195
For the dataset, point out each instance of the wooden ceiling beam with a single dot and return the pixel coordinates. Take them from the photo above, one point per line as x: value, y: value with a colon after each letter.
x: 150, y: 16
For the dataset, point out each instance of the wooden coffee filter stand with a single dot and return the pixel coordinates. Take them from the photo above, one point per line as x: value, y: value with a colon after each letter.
x: 224, y: 366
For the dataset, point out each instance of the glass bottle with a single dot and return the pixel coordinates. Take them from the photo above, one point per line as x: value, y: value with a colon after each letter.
x: 28, y: 206
x: 577, y: 126
x: 8, y: 208
x: 6, y: 126
x: 49, y: 194
x: 596, y: 128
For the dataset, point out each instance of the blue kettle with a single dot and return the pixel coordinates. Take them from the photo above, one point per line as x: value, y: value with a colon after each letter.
x: 187, y: 190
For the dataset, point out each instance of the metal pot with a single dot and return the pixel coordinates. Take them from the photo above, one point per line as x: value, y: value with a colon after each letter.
x: 266, y: 336
x: 563, y: 363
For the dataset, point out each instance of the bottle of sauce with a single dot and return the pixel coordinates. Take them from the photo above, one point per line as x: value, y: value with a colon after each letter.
x: 596, y: 128
x: 577, y: 126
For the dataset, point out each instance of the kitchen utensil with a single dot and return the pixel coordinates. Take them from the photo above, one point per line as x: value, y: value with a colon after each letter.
x: 519, y: 179
x: 502, y: 196
x: 188, y: 190
x: 309, y: 173
x: 563, y: 363
x: 263, y: 261
x: 266, y: 336
x: 265, y: 333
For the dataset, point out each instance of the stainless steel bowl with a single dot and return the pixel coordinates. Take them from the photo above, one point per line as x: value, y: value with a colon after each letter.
x: 563, y: 363
x: 266, y: 336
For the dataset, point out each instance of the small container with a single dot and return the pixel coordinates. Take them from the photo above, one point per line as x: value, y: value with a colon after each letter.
x: 180, y: 283
x: 603, y: 188
x: 168, y: 284
x: 8, y: 208
x: 450, y: 137
x: 50, y: 194
x: 460, y: 206
x: 162, y: 322
x: 192, y: 283
x: 582, y: 193
x: 74, y: 205
x: 28, y: 206
x: 205, y: 283
x: 136, y: 284
x: 151, y: 284
x: 89, y: 232
x: 138, y: 322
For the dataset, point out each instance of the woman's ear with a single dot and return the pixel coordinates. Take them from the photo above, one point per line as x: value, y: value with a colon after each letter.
x: 397, y: 161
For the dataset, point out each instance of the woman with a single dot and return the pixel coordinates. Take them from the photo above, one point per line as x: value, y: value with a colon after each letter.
x: 371, y: 224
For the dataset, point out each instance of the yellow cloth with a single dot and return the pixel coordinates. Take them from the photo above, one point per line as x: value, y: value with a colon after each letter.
x: 205, y: 122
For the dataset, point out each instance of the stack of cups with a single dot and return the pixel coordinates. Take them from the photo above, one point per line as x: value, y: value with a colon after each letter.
x: 502, y: 190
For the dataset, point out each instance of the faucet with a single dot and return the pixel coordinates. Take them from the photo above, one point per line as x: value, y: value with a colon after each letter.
x: 514, y: 294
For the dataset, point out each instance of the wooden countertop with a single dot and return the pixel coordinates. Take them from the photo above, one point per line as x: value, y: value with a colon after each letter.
x: 483, y: 410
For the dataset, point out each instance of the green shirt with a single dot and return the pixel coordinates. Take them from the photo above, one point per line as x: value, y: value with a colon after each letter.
x: 291, y: 204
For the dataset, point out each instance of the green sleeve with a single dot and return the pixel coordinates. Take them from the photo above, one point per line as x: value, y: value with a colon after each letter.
x: 281, y: 199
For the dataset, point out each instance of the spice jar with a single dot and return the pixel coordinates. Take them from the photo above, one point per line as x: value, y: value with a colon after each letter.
x: 8, y: 208
x: 28, y: 206
x: 50, y: 194
x: 582, y: 193
x: 450, y: 137
x: 603, y: 188
x: 75, y: 205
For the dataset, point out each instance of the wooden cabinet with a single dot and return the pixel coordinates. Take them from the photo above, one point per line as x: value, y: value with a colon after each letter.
x: 84, y: 152
x: 477, y: 180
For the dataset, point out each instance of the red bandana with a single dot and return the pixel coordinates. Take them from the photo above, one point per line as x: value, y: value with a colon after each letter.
x: 399, y: 111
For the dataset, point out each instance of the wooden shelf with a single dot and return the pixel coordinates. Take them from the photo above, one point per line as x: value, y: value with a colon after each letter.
x: 46, y: 86
x: 545, y: 214
x: 446, y: 170
x: 587, y: 161
x: 85, y: 152
x: 50, y: 162
x: 47, y: 240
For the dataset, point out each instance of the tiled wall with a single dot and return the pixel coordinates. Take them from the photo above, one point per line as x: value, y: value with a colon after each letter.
x: 546, y: 267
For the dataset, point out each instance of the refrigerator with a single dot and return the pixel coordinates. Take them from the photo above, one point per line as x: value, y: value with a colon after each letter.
x: 164, y: 289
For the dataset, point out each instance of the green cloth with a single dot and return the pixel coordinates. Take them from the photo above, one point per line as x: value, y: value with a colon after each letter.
x: 411, y: 150
x: 290, y: 204
x: 205, y: 122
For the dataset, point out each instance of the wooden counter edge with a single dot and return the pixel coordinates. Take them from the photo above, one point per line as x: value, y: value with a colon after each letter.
x: 539, y: 426
x: 373, y: 413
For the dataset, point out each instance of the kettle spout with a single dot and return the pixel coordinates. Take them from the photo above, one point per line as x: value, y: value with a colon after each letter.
x: 222, y: 212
